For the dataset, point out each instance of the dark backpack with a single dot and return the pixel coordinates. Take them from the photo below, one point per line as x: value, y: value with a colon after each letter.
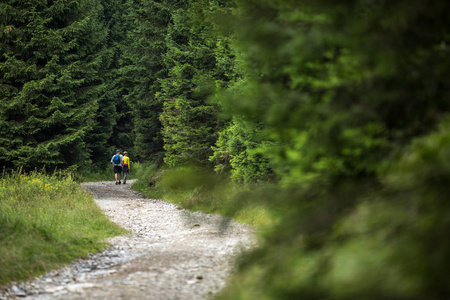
x: 116, y: 159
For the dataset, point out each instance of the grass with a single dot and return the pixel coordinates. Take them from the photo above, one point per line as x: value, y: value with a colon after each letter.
x: 148, y: 181
x: 45, y: 222
x: 106, y: 174
x: 200, y: 190
x: 95, y: 175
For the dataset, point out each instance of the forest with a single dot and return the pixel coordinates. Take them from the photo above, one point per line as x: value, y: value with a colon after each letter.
x: 333, y: 114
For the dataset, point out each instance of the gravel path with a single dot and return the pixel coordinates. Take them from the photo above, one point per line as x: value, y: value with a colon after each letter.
x: 170, y: 253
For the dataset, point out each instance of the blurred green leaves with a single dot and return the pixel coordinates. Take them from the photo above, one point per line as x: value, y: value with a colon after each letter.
x: 352, y: 101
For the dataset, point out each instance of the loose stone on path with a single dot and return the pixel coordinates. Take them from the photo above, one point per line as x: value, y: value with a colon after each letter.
x: 170, y: 253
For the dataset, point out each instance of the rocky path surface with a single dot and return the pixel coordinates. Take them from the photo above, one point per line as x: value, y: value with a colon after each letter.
x: 170, y: 253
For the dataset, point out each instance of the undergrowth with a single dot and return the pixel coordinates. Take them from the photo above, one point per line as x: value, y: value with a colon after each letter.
x: 45, y: 222
x: 198, y: 189
x: 106, y: 174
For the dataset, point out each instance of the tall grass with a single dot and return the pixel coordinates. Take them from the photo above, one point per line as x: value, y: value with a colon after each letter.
x: 47, y: 221
x: 198, y: 189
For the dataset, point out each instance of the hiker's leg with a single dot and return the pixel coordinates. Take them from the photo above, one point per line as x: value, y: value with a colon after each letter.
x: 125, y: 177
x: 115, y: 176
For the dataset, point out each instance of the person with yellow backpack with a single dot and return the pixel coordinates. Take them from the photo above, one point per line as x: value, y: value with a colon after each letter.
x: 126, y: 166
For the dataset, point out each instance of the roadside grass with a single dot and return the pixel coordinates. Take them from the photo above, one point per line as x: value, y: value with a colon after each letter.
x: 45, y: 222
x: 197, y: 189
x: 148, y: 180
x: 90, y: 175
x: 106, y: 174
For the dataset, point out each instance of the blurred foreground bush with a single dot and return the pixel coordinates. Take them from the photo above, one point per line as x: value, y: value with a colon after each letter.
x: 382, y: 241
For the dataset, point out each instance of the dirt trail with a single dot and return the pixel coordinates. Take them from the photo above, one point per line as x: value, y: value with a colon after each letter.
x: 170, y: 253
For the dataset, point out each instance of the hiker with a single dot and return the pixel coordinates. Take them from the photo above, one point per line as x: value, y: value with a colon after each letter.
x: 116, y: 162
x: 126, y: 166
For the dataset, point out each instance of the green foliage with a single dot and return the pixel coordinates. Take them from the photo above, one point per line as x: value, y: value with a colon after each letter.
x: 200, y: 189
x: 114, y: 124
x: 342, y: 106
x: 379, y: 242
x: 340, y: 98
x: 189, y: 131
x: 239, y: 149
x: 142, y: 68
x: 45, y: 222
x: 352, y: 94
x: 52, y: 57
x: 102, y: 174
x: 148, y: 182
x: 339, y: 102
x: 190, y: 122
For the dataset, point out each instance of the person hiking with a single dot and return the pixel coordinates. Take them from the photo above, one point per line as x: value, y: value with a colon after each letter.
x: 126, y: 166
x: 117, y: 162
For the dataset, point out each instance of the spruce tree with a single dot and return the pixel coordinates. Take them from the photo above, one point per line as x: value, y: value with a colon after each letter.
x: 190, y: 121
x: 109, y: 120
x: 142, y: 67
x: 51, y: 63
x: 119, y: 86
